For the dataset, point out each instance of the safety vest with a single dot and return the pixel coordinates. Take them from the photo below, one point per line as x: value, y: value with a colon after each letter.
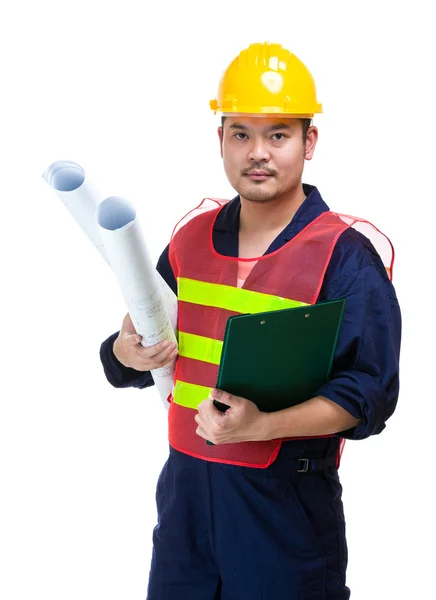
x: 207, y: 296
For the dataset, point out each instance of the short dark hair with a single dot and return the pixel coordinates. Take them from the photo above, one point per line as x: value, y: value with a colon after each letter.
x: 305, y: 124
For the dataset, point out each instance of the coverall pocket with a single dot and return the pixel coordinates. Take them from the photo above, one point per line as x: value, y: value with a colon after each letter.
x: 300, y: 514
x: 317, y: 502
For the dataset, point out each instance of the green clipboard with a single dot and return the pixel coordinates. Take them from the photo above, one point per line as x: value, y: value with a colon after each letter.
x: 279, y: 359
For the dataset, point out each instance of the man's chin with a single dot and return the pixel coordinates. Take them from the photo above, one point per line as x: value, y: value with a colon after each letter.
x: 259, y: 197
x: 258, y: 200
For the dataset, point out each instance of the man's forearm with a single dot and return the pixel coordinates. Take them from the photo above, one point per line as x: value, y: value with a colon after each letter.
x: 317, y: 416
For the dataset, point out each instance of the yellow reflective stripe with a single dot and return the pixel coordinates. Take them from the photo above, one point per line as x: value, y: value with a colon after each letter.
x: 189, y: 394
x: 231, y: 298
x: 200, y: 348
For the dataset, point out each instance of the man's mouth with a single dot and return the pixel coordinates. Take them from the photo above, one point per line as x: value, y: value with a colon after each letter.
x: 258, y: 175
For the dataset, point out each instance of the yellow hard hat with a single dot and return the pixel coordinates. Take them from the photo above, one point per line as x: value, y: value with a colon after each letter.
x: 267, y: 79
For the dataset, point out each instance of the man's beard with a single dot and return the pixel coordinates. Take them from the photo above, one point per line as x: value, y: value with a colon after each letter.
x: 257, y: 194
x: 260, y: 197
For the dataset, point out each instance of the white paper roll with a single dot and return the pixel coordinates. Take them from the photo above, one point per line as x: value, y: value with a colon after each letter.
x: 137, y: 278
x: 79, y: 196
x: 151, y: 302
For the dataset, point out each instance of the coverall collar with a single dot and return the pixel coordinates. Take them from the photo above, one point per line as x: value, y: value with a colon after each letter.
x: 228, y: 218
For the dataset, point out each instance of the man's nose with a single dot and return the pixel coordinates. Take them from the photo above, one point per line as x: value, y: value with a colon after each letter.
x: 259, y: 151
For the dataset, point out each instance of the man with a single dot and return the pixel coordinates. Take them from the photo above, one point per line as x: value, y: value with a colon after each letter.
x: 258, y: 514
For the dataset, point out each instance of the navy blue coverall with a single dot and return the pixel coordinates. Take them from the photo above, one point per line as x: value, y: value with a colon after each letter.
x: 226, y: 532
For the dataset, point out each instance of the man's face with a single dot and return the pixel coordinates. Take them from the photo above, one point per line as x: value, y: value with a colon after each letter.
x: 264, y: 156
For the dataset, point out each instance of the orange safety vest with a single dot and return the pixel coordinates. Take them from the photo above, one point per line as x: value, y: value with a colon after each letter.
x: 207, y: 296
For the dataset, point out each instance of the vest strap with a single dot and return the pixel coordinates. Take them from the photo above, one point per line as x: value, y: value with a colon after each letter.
x: 305, y: 465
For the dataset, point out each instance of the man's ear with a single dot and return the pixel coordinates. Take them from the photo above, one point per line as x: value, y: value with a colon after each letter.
x: 311, y: 139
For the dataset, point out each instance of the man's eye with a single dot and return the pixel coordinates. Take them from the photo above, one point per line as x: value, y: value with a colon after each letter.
x: 240, y: 136
x: 278, y: 136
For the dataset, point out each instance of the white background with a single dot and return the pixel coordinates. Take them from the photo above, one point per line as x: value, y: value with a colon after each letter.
x: 123, y: 89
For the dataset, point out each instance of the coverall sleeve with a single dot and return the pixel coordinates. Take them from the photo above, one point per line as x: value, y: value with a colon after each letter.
x: 365, y: 372
x: 116, y: 373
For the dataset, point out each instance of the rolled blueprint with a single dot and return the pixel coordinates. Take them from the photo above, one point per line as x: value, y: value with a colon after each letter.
x: 153, y: 305
x: 128, y: 255
x: 81, y: 199
x: 79, y: 196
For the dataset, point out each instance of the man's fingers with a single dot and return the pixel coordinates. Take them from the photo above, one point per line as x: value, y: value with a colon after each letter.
x: 150, y: 351
x: 199, y: 431
x: 132, y: 340
x: 159, y: 354
x: 206, y: 406
x: 127, y: 325
x: 129, y: 351
x: 164, y: 357
x: 158, y: 350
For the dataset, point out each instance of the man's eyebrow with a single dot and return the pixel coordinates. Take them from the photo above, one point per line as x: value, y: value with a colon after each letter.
x: 237, y: 126
x: 275, y: 127
x: 282, y: 125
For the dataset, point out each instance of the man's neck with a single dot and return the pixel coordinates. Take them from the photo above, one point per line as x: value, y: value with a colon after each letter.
x: 274, y: 215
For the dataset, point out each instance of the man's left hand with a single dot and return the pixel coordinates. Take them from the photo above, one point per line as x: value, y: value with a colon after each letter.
x: 242, y: 421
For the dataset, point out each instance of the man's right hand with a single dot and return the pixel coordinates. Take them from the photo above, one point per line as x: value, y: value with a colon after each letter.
x: 129, y: 351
